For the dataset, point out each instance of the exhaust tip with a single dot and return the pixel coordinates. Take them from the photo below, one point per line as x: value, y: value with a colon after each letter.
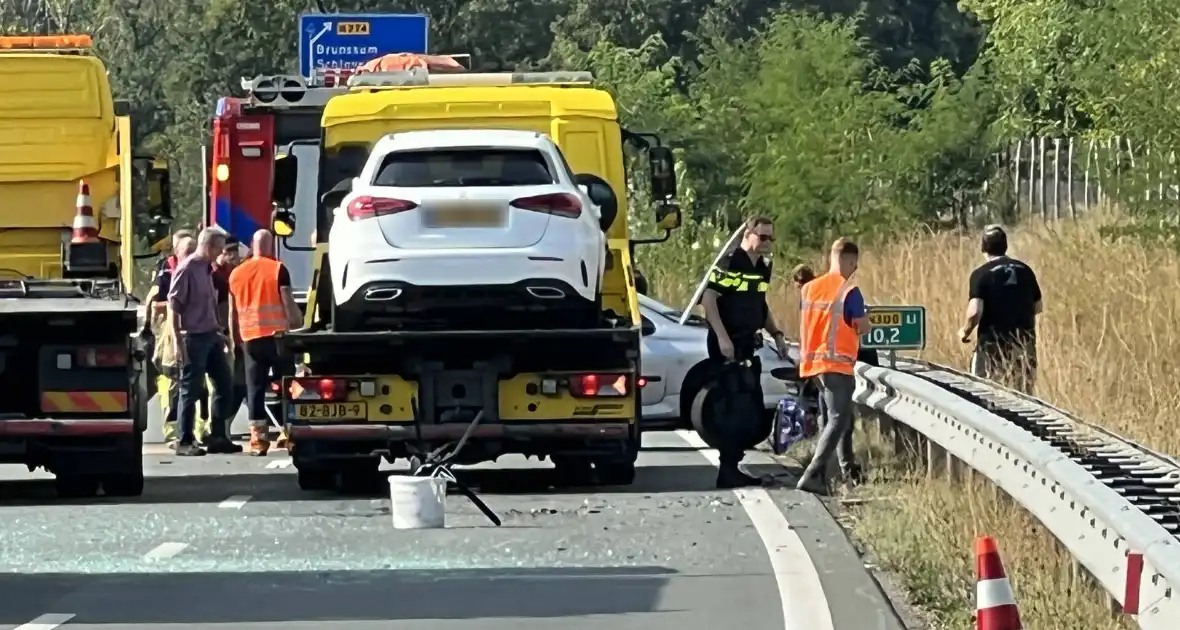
x: 382, y: 295
x: 545, y: 293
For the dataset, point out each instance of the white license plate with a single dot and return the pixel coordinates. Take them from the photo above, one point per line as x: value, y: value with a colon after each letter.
x: 463, y: 216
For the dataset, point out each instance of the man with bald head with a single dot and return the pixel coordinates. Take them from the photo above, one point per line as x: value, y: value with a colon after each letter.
x: 262, y: 305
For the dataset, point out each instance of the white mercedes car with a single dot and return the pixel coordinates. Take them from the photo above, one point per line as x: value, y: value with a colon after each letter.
x: 466, y: 226
x: 673, y: 352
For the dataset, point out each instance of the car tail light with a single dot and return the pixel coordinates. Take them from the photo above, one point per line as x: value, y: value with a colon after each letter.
x: 367, y: 207
x: 557, y: 204
x: 324, y: 389
x: 103, y: 357
x: 599, y: 385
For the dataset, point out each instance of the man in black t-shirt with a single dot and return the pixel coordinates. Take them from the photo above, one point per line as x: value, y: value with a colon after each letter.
x: 736, y: 309
x: 1004, y: 301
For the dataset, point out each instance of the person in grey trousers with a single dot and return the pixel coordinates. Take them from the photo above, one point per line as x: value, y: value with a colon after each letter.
x: 829, y: 303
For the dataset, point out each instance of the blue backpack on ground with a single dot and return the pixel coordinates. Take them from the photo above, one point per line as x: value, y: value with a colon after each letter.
x: 791, y: 425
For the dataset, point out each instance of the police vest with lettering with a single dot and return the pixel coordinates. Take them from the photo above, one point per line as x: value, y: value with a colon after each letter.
x: 827, y: 344
x: 257, y: 301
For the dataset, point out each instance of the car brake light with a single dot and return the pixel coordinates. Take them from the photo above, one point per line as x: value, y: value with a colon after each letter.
x: 599, y: 385
x: 367, y: 207
x: 103, y: 357
x: 557, y: 204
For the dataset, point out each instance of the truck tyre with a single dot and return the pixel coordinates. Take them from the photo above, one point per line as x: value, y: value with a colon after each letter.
x: 615, y: 473
x: 618, y: 470
x: 312, y: 479
x: 361, y: 476
x: 127, y: 480
x: 571, y: 471
x: 128, y: 484
x: 76, y: 486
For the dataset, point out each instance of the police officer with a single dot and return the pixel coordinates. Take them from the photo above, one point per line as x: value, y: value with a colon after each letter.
x: 736, y: 309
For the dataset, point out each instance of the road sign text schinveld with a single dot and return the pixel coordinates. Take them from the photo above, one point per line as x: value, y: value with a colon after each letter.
x: 345, y: 41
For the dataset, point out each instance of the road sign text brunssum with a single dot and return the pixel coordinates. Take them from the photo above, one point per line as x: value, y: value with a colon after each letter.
x: 344, y: 41
x: 896, y: 328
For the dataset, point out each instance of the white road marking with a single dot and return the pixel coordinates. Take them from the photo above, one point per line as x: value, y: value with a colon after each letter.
x: 46, y: 622
x: 165, y: 551
x: 799, y: 587
x: 235, y: 502
x: 279, y: 463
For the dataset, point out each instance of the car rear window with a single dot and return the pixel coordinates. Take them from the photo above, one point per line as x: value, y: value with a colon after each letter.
x: 466, y: 167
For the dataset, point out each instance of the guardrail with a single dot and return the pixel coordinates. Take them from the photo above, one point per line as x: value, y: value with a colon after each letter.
x: 1110, y: 502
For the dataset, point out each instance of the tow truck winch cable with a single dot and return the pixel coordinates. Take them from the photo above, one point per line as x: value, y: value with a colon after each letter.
x: 435, y: 462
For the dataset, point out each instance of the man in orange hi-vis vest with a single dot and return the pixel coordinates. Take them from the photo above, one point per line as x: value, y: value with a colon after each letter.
x: 261, y: 304
x: 832, y: 318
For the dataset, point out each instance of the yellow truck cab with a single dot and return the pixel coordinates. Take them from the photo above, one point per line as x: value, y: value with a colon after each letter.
x: 71, y: 367
x: 565, y: 393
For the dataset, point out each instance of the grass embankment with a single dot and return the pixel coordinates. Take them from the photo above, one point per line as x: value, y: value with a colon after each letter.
x: 1109, y: 351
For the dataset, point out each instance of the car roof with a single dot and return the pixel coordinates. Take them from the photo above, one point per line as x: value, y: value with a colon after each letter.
x: 462, y: 138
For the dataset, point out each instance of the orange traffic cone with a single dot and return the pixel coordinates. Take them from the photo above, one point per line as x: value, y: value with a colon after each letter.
x: 85, y: 226
x: 995, y: 605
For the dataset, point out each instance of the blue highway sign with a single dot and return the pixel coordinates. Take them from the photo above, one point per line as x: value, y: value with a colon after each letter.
x: 343, y: 41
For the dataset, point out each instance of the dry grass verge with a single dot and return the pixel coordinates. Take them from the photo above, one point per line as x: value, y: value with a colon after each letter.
x: 1108, y: 342
x: 1110, y: 352
x: 922, y: 533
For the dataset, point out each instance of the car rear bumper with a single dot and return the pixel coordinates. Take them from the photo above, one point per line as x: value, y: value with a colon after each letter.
x: 397, y: 304
x: 458, y: 269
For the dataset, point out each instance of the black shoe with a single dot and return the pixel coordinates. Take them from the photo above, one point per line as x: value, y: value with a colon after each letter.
x: 855, y: 475
x: 189, y: 450
x: 813, y: 485
x: 728, y: 479
x: 222, y: 446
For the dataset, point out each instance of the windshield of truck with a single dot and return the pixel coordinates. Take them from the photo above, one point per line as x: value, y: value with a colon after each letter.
x: 464, y: 167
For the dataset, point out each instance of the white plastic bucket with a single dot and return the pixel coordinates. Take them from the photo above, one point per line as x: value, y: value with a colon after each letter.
x: 418, y: 502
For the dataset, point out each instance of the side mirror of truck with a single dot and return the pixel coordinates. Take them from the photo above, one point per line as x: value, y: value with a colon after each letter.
x: 286, y: 172
x: 603, y: 196
x: 282, y: 223
x: 331, y: 199
x: 663, y: 174
x: 668, y: 217
x: 159, y: 180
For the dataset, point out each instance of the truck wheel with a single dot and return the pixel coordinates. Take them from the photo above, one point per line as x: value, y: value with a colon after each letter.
x: 128, y: 484
x: 618, y: 470
x: 615, y: 473
x: 361, y: 477
x: 570, y: 471
x: 315, y: 479
x: 76, y: 486
x: 128, y: 481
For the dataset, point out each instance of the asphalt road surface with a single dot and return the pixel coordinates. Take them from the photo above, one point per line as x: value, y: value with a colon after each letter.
x: 230, y: 542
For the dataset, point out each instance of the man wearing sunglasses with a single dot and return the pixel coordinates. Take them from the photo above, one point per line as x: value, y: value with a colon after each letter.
x: 736, y: 309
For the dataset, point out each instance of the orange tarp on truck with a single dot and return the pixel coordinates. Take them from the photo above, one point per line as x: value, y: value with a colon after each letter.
x: 407, y: 61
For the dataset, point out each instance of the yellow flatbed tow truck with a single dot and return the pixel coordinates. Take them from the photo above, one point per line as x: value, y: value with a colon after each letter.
x: 72, y: 370
x: 569, y: 394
